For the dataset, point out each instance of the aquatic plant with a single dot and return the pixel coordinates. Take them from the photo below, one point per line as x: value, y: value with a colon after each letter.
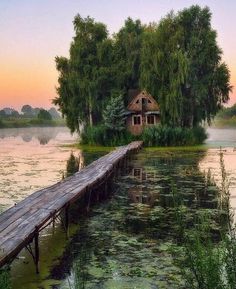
x: 72, y: 165
x: 5, y: 282
x: 208, y: 263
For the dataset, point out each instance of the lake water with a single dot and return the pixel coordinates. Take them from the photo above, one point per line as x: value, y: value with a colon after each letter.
x: 124, y: 242
x: 30, y: 158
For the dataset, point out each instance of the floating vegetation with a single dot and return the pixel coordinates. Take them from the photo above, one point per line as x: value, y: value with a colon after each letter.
x: 134, y: 240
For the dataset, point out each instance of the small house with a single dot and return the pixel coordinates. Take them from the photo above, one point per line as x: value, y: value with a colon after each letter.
x: 142, y: 111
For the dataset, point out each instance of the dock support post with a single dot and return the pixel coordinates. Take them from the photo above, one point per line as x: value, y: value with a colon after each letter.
x: 67, y: 220
x: 106, y: 190
x: 36, y: 246
x: 89, y: 191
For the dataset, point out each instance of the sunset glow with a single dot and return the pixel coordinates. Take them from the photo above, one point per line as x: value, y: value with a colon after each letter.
x: 34, y: 32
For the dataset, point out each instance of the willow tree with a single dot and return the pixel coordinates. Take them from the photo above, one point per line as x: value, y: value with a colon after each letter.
x: 127, y: 56
x: 84, y: 77
x: 182, y: 66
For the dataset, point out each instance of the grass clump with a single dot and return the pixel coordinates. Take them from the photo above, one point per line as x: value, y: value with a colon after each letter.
x: 72, y: 165
x: 209, y: 261
x: 102, y: 136
x: 151, y: 136
x: 173, y: 136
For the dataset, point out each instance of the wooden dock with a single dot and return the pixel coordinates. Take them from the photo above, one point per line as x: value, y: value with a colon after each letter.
x: 21, y: 224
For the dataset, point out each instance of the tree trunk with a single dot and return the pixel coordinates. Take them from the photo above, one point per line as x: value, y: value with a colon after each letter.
x: 90, y: 115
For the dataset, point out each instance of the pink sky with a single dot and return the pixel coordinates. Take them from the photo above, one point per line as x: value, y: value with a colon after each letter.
x: 34, y: 32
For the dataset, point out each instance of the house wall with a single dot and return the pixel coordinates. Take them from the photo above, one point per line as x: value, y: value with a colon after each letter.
x: 137, y: 129
x: 134, y: 129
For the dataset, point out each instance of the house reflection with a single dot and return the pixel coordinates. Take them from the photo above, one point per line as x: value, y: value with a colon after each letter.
x: 140, y: 192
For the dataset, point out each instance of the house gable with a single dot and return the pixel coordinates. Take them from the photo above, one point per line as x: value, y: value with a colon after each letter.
x: 143, y: 99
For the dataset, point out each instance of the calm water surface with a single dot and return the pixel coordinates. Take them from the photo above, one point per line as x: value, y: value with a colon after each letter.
x: 125, y: 241
x: 30, y: 158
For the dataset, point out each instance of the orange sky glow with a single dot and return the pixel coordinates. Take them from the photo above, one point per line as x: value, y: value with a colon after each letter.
x: 34, y: 32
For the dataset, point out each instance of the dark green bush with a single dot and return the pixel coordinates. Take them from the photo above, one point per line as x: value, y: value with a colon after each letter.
x: 101, y: 135
x: 151, y: 136
x: 72, y: 165
x: 172, y: 136
x: 5, y: 282
x: 1, y: 124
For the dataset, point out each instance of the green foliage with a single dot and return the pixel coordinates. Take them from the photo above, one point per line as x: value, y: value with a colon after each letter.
x: 1, y: 124
x: 172, y: 136
x: 208, y: 264
x: 29, y: 122
x: 114, y: 114
x: 226, y: 117
x: 54, y: 113
x: 97, y: 66
x: 5, y: 279
x: 27, y: 110
x: 85, y: 76
x: 127, y: 56
x: 72, y: 165
x: 177, y: 60
x: 3, y: 113
x: 44, y: 115
x: 101, y: 135
x: 227, y: 113
x: 181, y: 66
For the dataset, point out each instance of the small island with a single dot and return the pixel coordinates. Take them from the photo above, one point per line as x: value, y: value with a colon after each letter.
x: 177, y: 64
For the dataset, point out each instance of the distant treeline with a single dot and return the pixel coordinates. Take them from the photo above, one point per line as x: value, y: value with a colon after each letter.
x: 29, y: 112
x: 29, y: 116
x: 227, y: 116
x: 228, y: 112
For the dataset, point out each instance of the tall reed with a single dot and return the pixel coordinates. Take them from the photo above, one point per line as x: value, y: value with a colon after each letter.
x: 208, y: 263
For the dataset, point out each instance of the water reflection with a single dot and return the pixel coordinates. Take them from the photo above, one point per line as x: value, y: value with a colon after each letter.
x: 224, y: 137
x: 43, y: 135
x: 141, y: 193
x: 154, y: 182
x: 212, y: 162
x: 125, y: 242
x: 26, y: 165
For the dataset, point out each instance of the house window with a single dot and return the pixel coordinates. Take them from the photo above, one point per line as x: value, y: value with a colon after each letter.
x: 136, y: 119
x: 144, y: 101
x: 151, y: 119
x: 137, y: 101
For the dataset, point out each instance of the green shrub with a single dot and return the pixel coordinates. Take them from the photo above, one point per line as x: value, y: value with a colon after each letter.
x: 208, y: 260
x: 5, y: 278
x: 199, y: 134
x: 1, y: 124
x: 172, y: 136
x: 72, y: 165
x: 101, y: 135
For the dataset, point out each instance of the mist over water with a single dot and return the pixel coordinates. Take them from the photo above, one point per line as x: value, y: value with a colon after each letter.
x: 221, y: 137
x: 30, y: 159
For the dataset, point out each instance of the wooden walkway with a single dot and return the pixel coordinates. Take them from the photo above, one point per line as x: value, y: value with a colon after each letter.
x: 21, y: 224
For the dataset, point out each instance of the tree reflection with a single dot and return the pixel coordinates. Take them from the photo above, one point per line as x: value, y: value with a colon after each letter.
x: 43, y: 135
